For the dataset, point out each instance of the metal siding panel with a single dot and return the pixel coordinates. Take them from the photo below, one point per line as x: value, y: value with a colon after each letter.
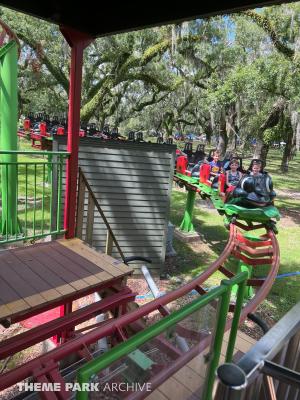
x: 133, y: 188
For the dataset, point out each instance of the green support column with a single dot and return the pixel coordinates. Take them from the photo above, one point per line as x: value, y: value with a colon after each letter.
x: 187, y: 224
x: 243, y: 267
x: 8, y: 136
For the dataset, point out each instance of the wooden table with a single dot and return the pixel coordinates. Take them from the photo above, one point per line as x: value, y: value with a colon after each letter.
x: 39, y: 277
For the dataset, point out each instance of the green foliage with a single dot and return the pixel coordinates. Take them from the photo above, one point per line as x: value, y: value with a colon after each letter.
x: 190, y: 76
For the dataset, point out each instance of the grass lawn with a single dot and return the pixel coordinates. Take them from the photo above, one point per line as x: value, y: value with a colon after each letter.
x: 193, y: 259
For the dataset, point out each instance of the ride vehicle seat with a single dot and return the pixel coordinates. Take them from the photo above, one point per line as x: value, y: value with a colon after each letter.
x: 60, y: 131
x: 131, y: 136
x: 181, y: 164
x: 222, y: 184
x: 188, y: 150
x: 43, y: 128
x: 26, y: 124
x: 199, y: 154
x: 205, y: 174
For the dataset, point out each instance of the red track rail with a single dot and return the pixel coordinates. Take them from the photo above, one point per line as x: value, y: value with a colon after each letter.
x: 46, y: 366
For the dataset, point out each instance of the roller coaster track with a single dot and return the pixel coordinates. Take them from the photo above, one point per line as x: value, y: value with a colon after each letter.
x: 263, y: 251
x: 46, y: 368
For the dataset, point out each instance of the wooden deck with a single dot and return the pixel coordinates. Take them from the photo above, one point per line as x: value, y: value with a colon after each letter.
x: 45, y: 275
x: 186, y: 384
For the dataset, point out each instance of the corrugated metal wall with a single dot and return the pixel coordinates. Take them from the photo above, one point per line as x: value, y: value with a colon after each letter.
x: 132, y: 183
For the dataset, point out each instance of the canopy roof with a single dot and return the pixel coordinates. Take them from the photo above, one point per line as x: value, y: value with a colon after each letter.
x: 104, y: 18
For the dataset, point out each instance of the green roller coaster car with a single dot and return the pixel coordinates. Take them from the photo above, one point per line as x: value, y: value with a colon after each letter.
x: 263, y: 214
x: 236, y: 208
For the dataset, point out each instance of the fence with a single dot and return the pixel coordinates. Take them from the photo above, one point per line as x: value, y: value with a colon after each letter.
x: 27, y: 195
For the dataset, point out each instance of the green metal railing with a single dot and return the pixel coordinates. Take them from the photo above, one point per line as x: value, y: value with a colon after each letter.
x: 221, y: 293
x: 27, y: 196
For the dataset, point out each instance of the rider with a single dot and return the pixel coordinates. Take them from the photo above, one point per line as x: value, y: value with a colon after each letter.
x: 215, y: 168
x: 233, y: 176
x: 256, y: 168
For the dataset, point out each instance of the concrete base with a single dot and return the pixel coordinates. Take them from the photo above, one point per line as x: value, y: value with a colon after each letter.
x: 187, y: 237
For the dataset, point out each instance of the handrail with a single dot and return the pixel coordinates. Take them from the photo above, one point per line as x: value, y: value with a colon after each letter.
x: 258, y: 360
x: 33, y: 152
x: 222, y: 293
x: 93, y: 202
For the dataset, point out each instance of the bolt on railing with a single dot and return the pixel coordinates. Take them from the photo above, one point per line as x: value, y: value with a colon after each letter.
x: 27, y: 194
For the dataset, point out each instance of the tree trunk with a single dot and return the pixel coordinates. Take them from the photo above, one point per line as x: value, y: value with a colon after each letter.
x: 298, y: 136
x: 208, y: 132
x: 287, y: 153
x: 261, y: 150
x: 231, y: 129
x: 223, y: 138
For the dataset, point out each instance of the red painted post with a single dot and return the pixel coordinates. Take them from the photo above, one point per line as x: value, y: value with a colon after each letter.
x: 77, y: 41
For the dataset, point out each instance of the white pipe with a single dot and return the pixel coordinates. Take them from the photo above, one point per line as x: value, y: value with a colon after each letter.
x: 101, y: 343
x: 182, y: 343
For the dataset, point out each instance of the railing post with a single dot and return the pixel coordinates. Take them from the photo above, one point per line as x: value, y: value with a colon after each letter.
x: 217, y: 341
x: 109, y: 243
x: 236, y: 319
x: 8, y: 136
x: 80, y: 205
x: 77, y: 41
x: 90, y: 220
x: 231, y: 382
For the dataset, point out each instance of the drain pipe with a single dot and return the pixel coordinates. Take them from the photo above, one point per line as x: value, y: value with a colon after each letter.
x: 182, y: 343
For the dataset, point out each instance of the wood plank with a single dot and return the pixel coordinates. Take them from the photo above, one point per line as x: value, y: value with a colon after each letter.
x: 17, y: 306
x: 240, y: 334
x: 67, y: 276
x: 246, y: 337
x: 67, y: 264
x: 198, y: 365
x: 103, y: 276
x: 12, y: 285
x: 109, y: 243
x: 4, y: 311
x: 189, y: 378
x: 80, y: 205
x: 174, y: 390
x: 43, y: 268
x: 114, y: 263
x: 90, y: 219
x: 64, y: 290
x: 95, y: 257
x: 34, y: 300
x: 19, y: 263
x: 82, y: 262
x: 34, y: 271
x: 241, y: 343
x: 156, y: 395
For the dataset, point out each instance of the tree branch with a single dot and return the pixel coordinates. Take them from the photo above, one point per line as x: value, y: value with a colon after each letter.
x: 266, y: 25
x: 56, y: 72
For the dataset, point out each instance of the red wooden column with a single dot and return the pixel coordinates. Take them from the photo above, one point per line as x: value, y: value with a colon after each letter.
x: 77, y: 41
